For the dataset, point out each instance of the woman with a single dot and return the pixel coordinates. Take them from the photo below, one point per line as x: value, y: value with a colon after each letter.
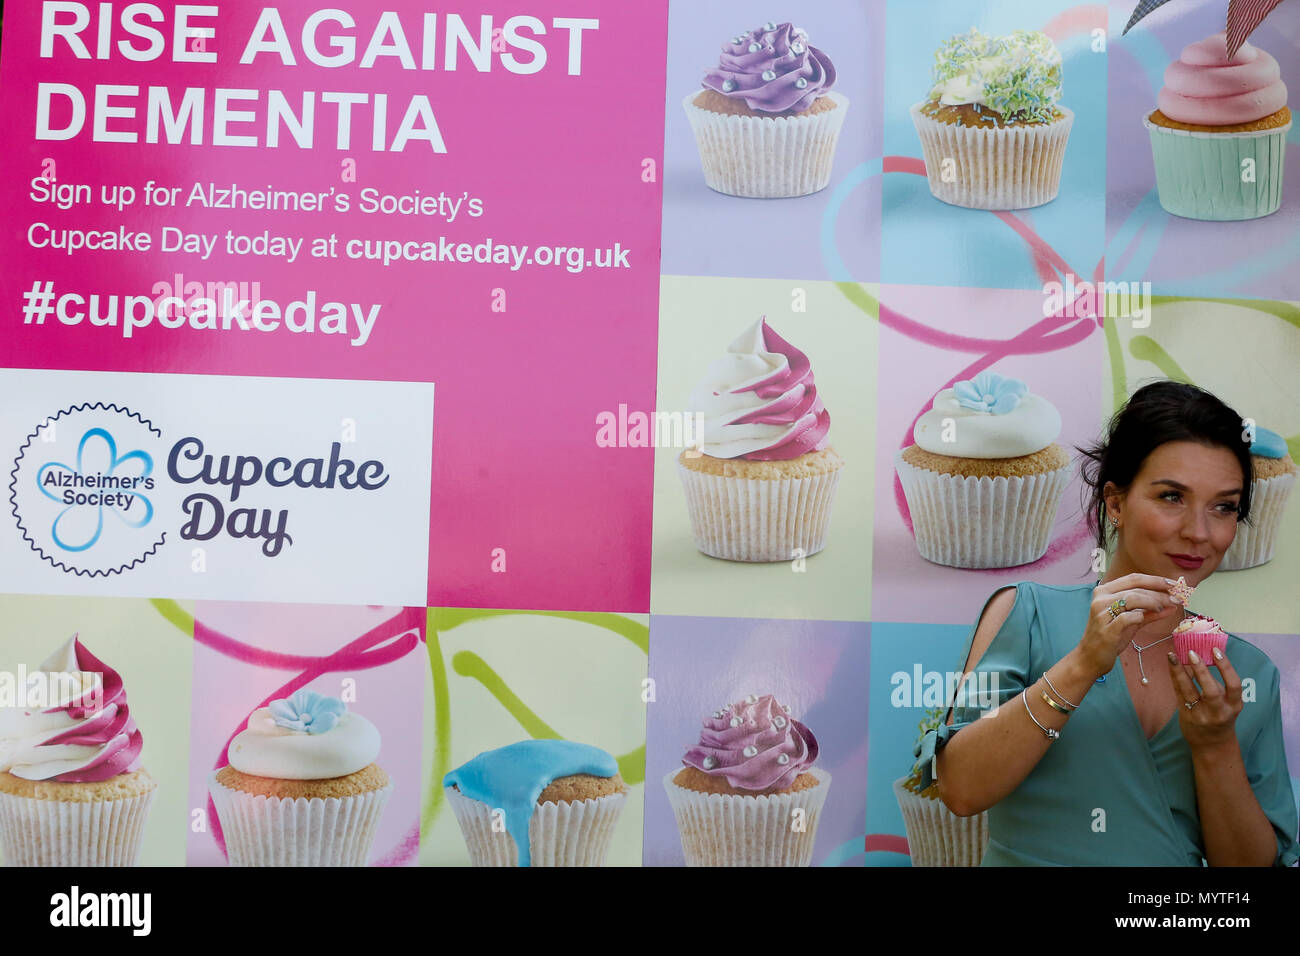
x: 1104, y: 750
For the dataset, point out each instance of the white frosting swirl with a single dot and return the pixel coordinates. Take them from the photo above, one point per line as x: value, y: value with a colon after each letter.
x: 727, y: 394
x: 266, y: 749
x: 1029, y: 427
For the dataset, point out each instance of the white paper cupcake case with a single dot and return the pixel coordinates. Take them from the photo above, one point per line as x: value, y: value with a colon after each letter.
x: 574, y: 833
x: 938, y: 837
x: 1010, y: 167
x: 767, y: 157
x: 967, y: 522
x: 274, y: 831
x: 759, y: 520
x: 729, y: 830
x: 1255, y: 542
x: 62, y: 833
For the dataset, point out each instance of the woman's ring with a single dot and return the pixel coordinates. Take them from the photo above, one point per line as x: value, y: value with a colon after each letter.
x: 1192, y: 703
x: 1115, y: 607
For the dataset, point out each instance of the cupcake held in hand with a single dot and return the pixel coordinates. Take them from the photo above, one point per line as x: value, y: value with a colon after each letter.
x: 985, y: 477
x: 538, y: 803
x: 302, y: 787
x: 766, y: 121
x: 763, y: 483
x: 1218, y: 118
x: 72, y: 791
x: 993, y: 131
x: 1200, y: 634
x: 748, y: 793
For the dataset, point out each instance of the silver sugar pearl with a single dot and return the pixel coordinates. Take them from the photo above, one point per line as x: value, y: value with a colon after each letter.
x: 783, y: 758
x: 769, y: 25
x: 769, y: 75
x: 778, y: 722
x: 800, y: 83
x: 751, y: 751
x: 735, y: 721
x: 709, y: 763
x: 754, y: 48
x: 717, y: 714
x: 737, y: 40
x: 728, y: 85
x: 797, y: 47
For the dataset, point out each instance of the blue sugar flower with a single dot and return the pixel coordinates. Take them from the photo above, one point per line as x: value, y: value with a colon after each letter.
x: 308, y: 712
x: 990, y: 392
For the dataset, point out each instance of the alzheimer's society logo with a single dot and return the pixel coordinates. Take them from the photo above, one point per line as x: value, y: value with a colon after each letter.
x: 83, y: 489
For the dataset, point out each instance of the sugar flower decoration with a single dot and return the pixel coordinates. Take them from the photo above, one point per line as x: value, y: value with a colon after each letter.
x: 308, y: 712
x: 990, y: 392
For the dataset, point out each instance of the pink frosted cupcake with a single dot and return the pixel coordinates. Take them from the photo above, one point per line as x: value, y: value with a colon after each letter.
x: 762, y: 484
x: 743, y: 786
x: 72, y: 791
x: 1200, y: 634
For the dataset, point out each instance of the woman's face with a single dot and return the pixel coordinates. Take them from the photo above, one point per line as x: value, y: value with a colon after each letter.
x: 1180, y: 514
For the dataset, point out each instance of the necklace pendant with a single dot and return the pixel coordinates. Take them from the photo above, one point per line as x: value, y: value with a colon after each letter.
x: 1145, y: 681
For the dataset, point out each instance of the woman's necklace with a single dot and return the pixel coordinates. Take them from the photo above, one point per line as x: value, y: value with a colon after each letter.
x: 1147, y: 647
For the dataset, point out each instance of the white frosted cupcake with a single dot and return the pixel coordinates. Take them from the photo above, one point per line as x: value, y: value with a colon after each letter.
x: 762, y: 484
x: 538, y: 803
x: 993, y: 131
x: 302, y: 787
x: 985, y: 477
x: 72, y: 792
x: 766, y: 121
x: 1273, y: 477
x: 749, y: 794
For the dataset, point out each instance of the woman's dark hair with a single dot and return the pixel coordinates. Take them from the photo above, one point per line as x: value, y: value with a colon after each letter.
x: 1158, y: 413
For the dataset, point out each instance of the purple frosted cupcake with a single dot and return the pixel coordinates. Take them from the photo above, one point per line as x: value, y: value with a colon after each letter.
x: 766, y: 121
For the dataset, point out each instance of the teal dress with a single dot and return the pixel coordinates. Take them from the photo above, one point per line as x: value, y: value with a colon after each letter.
x: 1104, y: 795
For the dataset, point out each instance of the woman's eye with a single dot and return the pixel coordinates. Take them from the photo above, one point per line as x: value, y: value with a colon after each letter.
x: 1229, y: 507
x: 1170, y: 495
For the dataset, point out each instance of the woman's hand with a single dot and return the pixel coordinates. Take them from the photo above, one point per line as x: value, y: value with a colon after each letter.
x: 1211, y: 719
x: 1146, y: 599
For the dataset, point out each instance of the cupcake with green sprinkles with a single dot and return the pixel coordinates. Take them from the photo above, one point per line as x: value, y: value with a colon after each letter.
x: 993, y: 130
x: 538, y: 803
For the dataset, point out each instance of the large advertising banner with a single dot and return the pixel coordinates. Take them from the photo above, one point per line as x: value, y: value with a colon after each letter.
x: 575, y: 433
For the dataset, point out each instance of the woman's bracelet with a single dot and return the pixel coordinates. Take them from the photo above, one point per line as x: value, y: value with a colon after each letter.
x: 1047, y: 731
x: 1053, y: 704
x: 1057, y: 692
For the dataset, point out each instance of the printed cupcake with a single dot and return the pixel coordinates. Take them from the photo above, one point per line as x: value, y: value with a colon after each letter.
x: 762, y: 484
x: 1201, y: 634
x: 993, y: 131
x: 935, y: 835
x: 1218, y: 118
x: 735, y: 796
x: 302, y: 787
x: 560, y: 800
x: 983, y: 488
x: 72, y: 791
x: 1274, y: 475
x: 766, y: 121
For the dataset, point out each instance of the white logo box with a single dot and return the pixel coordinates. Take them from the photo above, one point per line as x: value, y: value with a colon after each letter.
x: 105, y: 490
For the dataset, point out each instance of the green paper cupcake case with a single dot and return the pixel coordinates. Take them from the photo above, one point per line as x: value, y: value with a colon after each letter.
x: 1199, y: 175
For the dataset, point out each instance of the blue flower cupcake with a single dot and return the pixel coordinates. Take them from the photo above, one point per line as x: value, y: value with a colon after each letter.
x: 985, y: 477
x: 302, y: 787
